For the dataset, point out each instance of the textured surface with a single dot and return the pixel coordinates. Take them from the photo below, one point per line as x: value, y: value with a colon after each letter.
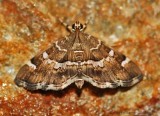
x: 28, y: 27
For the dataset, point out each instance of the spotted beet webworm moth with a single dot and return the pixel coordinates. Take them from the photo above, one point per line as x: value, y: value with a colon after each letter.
x: 76, y: 58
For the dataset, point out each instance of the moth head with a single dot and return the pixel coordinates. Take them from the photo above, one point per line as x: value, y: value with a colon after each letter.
x: 77, y: 26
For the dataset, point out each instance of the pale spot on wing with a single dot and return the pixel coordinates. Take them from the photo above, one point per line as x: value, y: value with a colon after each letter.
x: 124, y: 62
x: 50, y: 87
x: 23, y: 84
x: 107, y: 59
x: 120, y: 83
x: 98, y: 63
x: 89, y: 36
x: 111, y: 53
x: 45, y: 55
x: 67, y: 38
x: 38, y: 86
x: 49, y: 61
x: 94, y: 63
x: 30, y: 64
x: 136, y: 79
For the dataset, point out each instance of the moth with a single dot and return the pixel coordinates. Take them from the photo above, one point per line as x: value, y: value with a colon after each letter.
x: 77, y: 58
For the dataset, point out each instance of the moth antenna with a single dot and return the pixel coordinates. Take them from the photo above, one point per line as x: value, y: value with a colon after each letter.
x: 68, y: 27
x: 85, y: 25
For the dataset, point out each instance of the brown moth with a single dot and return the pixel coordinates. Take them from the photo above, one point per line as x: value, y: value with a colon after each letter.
x: 76, y: 58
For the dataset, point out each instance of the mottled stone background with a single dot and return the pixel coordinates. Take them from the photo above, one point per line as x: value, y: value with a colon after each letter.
x: 129, y: 26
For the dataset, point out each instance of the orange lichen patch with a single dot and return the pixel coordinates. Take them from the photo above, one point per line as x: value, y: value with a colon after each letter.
x: 2, y: 56
x: 13, y: 47
x: 7, y: 89
x: 1, y: 82
x: 35, y: 103
x: 156, y: 92
x: 10, y: 8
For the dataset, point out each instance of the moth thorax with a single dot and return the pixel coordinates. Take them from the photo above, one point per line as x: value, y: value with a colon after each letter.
x: 79, y: 83
x: 78, y: 55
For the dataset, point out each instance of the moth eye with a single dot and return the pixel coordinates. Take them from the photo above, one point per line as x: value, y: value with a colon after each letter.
x: 73, y: 26
x: 81, y: 26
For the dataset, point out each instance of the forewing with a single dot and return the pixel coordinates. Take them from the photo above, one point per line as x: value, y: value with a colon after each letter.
x: 117, y: 69
x: 44, y: 72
